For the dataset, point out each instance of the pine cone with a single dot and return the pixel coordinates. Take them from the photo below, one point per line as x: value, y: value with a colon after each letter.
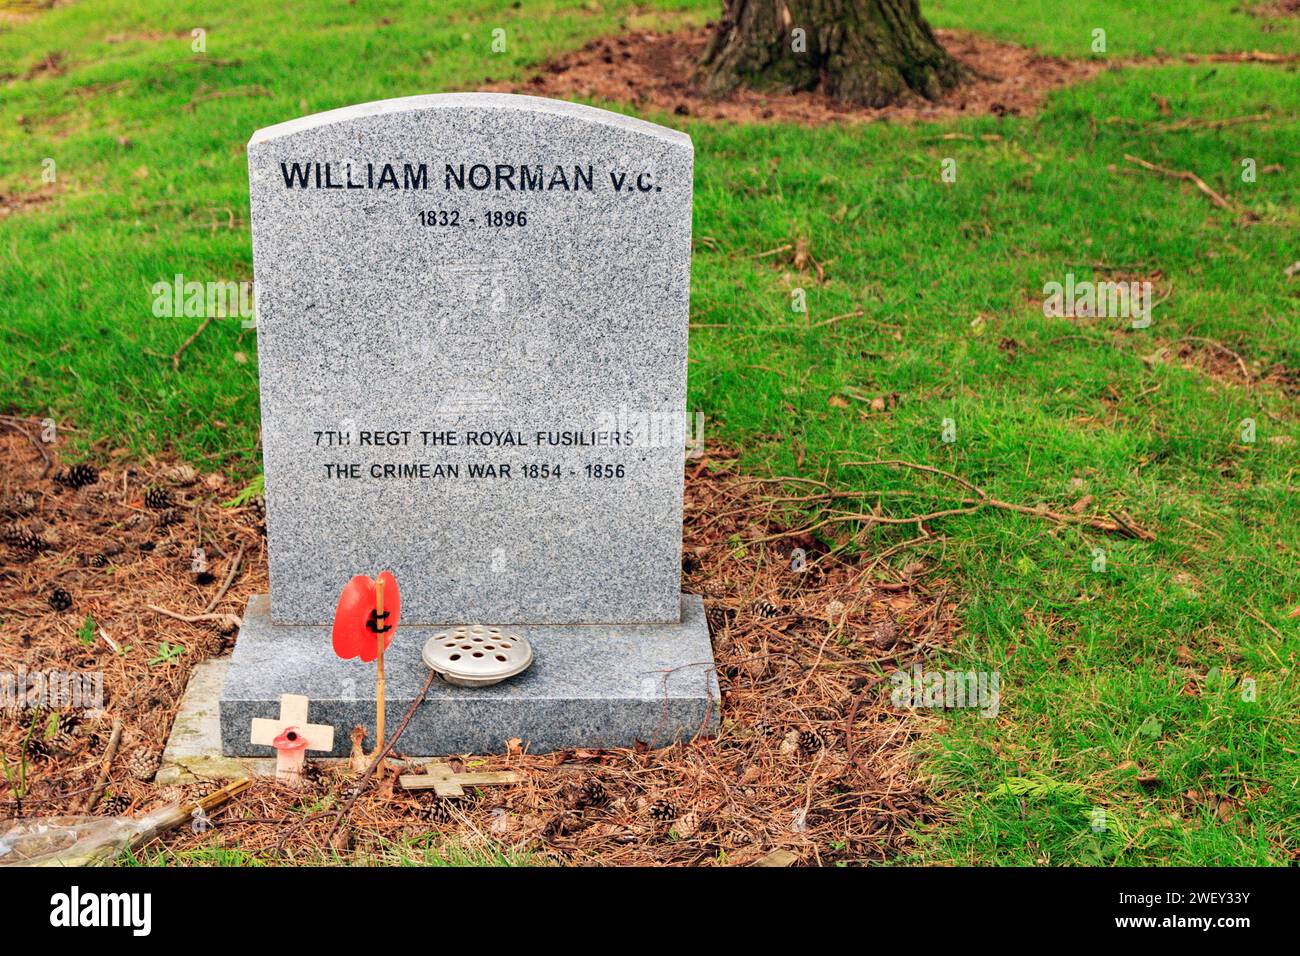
x: 662, y: 811
x: 439, y: 812
x: 159, y: 499
x: 21, y: 504
x: 885, y: 635
x: 809, y: 742
x: 183, y: 474
x: 78, y: 476
x: 210, y: 644
x: 592, y: 794
x: 767, y: 610
x: 113, y: 805
x: 68, y: 722
x: 24, y: 539
x: 205, y: 788
x: 313, y: 773
x: 168, y: 517
x: 62, y: 743
x: 173, y: 794
x: 143, y: 764
x: 59, y: 599
x: 35, y: 747
x: 718, y: 617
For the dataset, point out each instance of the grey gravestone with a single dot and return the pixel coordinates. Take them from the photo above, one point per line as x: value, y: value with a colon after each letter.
x: 472, y: 323
x: 472, y: 315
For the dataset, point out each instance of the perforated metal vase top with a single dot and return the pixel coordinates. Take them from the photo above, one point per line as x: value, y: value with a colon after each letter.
x: 476, y: 656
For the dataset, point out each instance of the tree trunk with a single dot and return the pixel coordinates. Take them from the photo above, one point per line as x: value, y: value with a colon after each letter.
x: 864, y: 52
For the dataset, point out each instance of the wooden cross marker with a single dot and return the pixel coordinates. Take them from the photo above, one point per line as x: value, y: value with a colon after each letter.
x: 445, y: 782
x: 292, y: 737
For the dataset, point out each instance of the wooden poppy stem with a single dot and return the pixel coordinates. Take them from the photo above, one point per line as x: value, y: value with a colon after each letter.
x: 382, y: 639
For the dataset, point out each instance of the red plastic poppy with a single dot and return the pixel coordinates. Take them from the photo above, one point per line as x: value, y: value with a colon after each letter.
x: 356, y: 624
x: 290, y: 740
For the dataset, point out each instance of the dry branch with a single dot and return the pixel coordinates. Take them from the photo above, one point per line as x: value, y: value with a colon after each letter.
x: 379, y: 758
x: 225, y: 585
x: 1114, y: 523
x: 176, y: 356
x: 106, y: 766
x: 1194, y: 179
x: 231, y: 620
x: 45, y: 455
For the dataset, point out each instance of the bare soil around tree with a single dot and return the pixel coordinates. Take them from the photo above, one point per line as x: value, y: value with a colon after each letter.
x: 657, y: 71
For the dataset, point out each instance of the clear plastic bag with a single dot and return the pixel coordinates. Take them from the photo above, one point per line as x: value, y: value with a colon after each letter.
x: 67, y: 841
x: 96, y: 841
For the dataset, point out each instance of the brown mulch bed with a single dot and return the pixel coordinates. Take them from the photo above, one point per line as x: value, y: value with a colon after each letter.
x: 1226, y: 365
x: 811, y: 758
x: 1272, y: 8
x: 655, y: 71
x: 10, y: 204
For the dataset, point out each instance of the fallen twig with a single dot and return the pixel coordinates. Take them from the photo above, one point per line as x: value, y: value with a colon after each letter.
x: 379, y: 758
x: 225, y: 585
x: 106, y: 766
x: 1116, y: 523
x: 966, y: 137
x: 49, y: 463
x: 230, y: 619
x: 1253, y: 56
x: 1200, y: 123
x: 112, y: 644
x: 176, y: 356
x: 856, y: 313
x: 251, y: 90
x: 852, y: 716
x: 1241, y: 363
x: 1196, y: 180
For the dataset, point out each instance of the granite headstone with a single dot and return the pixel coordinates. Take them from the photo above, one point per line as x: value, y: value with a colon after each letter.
x: 472, y: 328
x: 472, y: 315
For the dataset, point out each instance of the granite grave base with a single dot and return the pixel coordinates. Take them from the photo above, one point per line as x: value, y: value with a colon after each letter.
x: 607, y: 685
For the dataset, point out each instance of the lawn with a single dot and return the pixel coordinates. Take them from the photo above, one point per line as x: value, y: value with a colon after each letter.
x: 1158, y: 686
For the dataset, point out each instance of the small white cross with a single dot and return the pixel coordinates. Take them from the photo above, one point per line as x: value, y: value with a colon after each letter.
x: 293, y: 718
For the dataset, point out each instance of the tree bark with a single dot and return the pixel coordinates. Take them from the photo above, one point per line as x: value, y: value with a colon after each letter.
x: 862, y: 52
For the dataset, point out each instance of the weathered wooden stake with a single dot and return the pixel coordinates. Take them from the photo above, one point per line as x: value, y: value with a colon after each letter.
x: 380, y: 641
x: 445, y: 782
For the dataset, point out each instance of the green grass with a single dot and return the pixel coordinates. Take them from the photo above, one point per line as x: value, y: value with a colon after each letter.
x: 1107, y: 677
x: 426, y: 850
x: 1153, y: 28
